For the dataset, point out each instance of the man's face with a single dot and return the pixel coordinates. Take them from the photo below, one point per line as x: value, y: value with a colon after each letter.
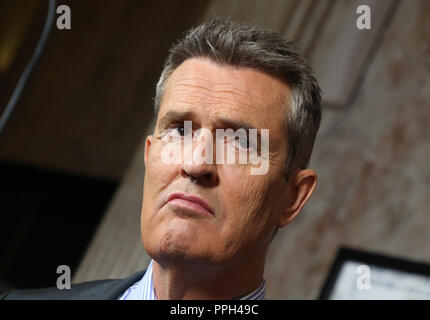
x: 245, y: 208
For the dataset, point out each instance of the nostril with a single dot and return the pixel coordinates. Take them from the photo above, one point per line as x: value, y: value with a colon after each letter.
x: 208, y: 176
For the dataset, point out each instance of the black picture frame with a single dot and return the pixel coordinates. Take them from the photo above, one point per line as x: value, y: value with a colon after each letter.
x: 345, y: 254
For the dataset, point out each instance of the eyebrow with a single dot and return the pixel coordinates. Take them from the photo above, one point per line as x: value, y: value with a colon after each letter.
x: 233, y: 124
x: 173, y: 116
x: 179, y: 116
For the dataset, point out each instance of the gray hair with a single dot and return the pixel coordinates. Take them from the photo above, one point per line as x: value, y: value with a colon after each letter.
x: 231, y: 43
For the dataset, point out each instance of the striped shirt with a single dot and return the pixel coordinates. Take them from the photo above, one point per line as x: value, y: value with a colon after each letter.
x: 144, y: 289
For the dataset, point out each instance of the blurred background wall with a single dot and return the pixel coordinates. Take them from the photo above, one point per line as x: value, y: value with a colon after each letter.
x: 72, y: 153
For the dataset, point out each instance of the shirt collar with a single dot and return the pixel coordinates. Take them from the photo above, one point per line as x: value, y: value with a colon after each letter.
x: 144, y: 289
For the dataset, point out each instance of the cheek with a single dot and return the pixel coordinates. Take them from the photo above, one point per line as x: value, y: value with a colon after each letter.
x: 253, y: 205
x: 158, y: 176
x: 158, y: 173
x: 244, y: 196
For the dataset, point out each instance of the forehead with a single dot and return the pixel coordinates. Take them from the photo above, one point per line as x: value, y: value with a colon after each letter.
x: 209, y: 89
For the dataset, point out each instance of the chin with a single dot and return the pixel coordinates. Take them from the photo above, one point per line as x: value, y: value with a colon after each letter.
x: 167, y: 242
x: 174, y: 247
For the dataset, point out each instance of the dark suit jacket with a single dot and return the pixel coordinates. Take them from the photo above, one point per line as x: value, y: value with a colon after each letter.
x: 110, y: 289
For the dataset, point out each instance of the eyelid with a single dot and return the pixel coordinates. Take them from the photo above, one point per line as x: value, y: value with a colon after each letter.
x: 174, y: 125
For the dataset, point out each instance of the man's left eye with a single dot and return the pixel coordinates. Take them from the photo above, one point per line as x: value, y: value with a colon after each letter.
x: 243, y: 143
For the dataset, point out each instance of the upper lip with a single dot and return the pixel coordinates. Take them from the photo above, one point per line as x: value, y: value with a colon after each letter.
x: 199, y: 201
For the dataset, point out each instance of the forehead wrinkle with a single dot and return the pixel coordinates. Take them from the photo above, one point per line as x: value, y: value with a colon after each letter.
x: 212, y: 86
x: 218, y: 92
x: 214, y: 96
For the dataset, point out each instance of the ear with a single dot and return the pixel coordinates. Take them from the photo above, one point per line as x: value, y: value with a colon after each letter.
x: 300, y: 187
x: 147, y: 147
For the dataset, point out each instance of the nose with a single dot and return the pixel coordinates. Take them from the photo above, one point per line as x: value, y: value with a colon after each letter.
x: 195, y: 166
x: 201, y: 173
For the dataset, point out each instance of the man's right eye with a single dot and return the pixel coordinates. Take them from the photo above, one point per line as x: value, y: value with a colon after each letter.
x: 178, y: 130
x: 181, y: 130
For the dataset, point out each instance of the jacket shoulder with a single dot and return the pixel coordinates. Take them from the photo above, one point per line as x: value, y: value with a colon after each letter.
x: 109, y: 289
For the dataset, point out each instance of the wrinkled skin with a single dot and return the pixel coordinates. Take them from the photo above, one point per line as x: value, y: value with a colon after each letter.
x: 219, y: 255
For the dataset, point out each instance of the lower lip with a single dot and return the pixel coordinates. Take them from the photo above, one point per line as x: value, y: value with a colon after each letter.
x: 189, y: 206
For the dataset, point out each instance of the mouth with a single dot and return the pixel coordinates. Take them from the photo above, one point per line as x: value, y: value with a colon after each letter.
x: 192, y: 203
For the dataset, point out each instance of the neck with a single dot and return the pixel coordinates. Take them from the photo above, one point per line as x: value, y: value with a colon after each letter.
x: 190, y: 280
